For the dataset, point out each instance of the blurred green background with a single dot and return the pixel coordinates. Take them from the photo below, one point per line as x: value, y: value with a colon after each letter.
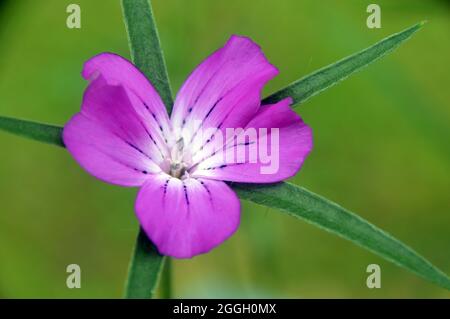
x: 381, y: 149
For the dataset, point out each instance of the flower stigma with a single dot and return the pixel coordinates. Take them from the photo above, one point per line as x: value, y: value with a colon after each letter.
x: 178, y: 168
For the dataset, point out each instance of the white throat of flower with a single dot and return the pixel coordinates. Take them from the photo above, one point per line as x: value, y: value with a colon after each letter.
x: 178, y: 166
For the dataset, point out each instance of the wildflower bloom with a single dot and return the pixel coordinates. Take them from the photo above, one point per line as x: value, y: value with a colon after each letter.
x: 123, y: 135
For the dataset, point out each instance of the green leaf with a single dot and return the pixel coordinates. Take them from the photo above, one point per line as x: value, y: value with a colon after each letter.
x: 37, y: 131
x: 322, y: 79
x: 145, y: 46
x: 146, y: 52
x: 301, y: 203
x: 145, y: 269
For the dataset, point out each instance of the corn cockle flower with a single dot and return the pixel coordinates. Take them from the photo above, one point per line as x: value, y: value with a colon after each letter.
x: 123, y: 135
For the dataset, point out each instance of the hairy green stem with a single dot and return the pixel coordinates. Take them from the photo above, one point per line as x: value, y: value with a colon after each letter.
x: 144, y: 270
x: 166, y: 280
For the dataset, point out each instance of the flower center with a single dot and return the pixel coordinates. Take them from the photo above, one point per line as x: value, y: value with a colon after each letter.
x: 178, y: 167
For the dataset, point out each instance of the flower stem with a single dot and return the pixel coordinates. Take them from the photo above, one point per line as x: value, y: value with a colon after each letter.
x: 166, y: 280
x: 144, y: 270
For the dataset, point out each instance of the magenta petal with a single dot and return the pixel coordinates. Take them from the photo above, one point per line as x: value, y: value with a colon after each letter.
x: 224, y: 90
x: 293, y: 145
x: 116, y: 70
x: 110, y: 140
x: 187, y: 217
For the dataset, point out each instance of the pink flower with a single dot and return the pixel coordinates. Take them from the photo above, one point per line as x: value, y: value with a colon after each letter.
x: 123, y: 135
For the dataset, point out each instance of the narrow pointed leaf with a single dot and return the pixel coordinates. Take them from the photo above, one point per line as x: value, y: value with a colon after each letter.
x: 301, y: 203
x: 37, y: 131
x: 146, y: 52
x: 145, y: 46
x: 322, y: 79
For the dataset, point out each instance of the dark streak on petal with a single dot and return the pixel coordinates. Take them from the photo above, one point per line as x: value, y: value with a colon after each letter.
x: 213, y: 107
x: 154, y: 117
x: 139, y: 150
x: 185, y: 193
x: 223, y: 150
x: 165, y: 185
x: 206, y: 85
x: 150, y: 135
x: 223, y: 166
x: 206, y: 188
x: 200, y: 94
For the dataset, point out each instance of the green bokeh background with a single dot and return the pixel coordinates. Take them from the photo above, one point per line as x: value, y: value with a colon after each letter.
x: 381, y: 149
